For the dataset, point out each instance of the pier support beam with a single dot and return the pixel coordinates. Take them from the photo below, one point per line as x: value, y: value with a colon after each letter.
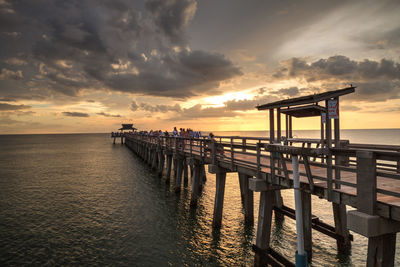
x: 307, y: 223
x: 179, y: 172
x: 340, y: 218
x: 219, y: 198
x: 264, y: 227
x: 278, y: 202
x: 161, y: 159
x: 247, y: 198
x: 185, y: 171
x: 196, y: 183
x: 169, y: 167
x: 154, y: 159
x: 381, y: 250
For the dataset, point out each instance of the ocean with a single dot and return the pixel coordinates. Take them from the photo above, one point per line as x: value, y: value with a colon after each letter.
x: 77, y: 199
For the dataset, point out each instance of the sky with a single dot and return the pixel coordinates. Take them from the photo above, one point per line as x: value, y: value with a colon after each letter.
x: 89, y: 65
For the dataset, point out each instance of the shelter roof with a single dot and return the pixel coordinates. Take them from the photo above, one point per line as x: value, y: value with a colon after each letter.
x: 309, y: 99
x: 304, y: 111
x: 127, y: 127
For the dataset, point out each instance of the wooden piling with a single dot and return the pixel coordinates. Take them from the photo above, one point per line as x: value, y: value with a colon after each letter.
x: 179, y: 172
x: 219, y: 198
x: 169, y: 167
x: 307, y: 223
x: 248, y: 198
x: 185, y: 171
x: 196, y: 184
x: 264, y: 226
x: 161, y: 162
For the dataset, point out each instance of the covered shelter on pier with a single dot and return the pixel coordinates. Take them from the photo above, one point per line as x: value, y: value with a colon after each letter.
x: 125, y: 127
x: 307, y: 106
x: 326, y: 106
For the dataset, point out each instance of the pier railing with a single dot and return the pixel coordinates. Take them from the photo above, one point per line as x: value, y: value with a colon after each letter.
x: 256, y: 153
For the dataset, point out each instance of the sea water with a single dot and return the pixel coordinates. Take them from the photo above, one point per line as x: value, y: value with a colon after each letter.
x: 77, y: 199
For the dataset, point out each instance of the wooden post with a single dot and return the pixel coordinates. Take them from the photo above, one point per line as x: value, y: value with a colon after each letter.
x: 196, y: 183
x: 307, y: 224
x: 155, y: 158
x: 264, y: 226
x: 241, y: 186
x: 382, y: 248
x: 339, y: 210
x: 322, y: 134
x: 290, y: 127
x: 178, y: 178
x: 278, y: 125
x: 185, y: 171
x: 287, y: 126
x: 203, y: 171
x: 248, y: 198
x: 169, y: 166
x: 271, y: 126
x: 161, y: 163
x: 366, y: 182
x: 328, y: 157
x: 219, y: 198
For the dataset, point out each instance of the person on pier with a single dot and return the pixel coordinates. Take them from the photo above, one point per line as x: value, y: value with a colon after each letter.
x: 175, y: 132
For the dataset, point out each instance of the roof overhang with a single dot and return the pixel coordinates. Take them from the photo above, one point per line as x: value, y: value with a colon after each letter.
x: 310, y: 99
x: 304, y: 111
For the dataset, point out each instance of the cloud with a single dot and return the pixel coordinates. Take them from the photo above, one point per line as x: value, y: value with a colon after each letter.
x: 197, y: 111
x: 8, y: 107
x: 75, y: 114
x: 16, y: 61
x: 134, y: 106
x: 171, y: 17
x: 289, y: 92
x: 120, y: 46
x: 108, y: 115
x: 375, y: 80
x: 338, y: 67
x: 160, y: 108
x: 11, y: 75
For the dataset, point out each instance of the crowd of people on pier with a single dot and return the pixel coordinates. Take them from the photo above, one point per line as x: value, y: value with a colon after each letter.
x: 183, y: 133
x: 187, y: 133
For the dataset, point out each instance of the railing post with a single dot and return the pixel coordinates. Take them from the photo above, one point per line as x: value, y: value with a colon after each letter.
x: 191, y: 147
x: 366, y: 182
x: 214, y: 152
x: 232, y: 154
x: 244, y: 145
x: 201, y: 148
x: 258, y: 147
x: 398, y: 164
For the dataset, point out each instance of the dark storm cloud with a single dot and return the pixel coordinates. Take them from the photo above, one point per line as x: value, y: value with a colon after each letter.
x: 75, y: 114
x: 171, y: 17
x: 8, y: 107
x: 339, y: 67
x: 108, y: 115
x: 375, y: 80
x: 115, y: 45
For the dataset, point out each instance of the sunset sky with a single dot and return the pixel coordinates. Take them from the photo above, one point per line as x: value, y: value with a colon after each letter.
x: 90, y: 65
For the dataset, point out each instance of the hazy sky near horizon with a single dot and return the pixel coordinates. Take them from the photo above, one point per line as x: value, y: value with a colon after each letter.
x: 90, y: 65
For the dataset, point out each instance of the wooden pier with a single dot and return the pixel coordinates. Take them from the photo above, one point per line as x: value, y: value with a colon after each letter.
x: 363, y: 176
